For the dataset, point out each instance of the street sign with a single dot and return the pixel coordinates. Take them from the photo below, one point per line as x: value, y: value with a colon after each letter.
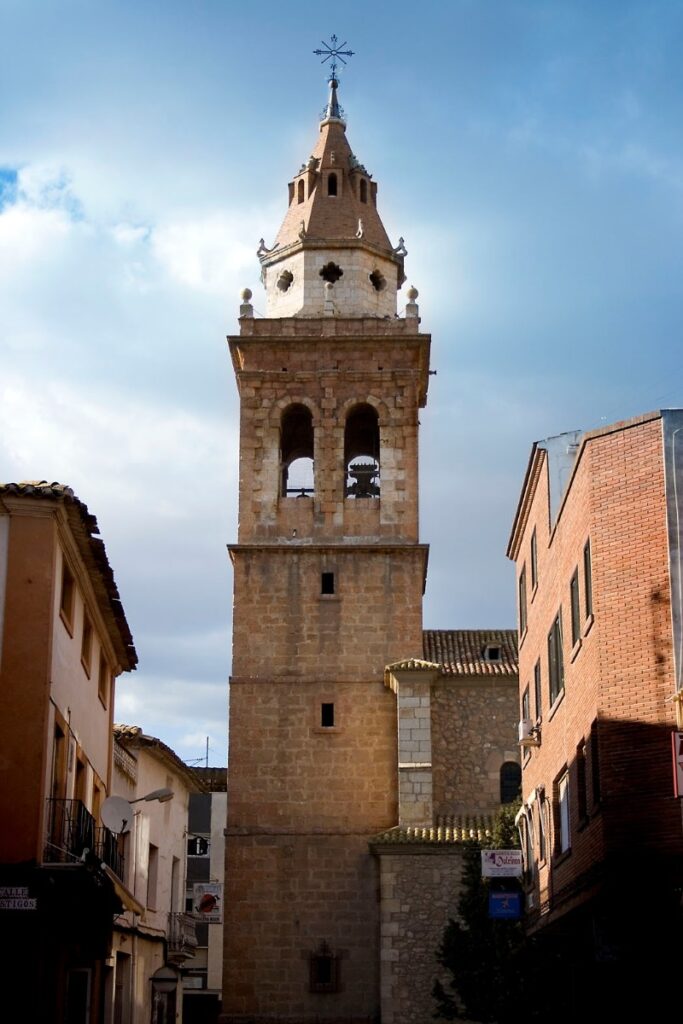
x: 207, y: 902
x: 505, y: 905
x: 16, y: 897
x: 501, y: 863
x: 677, y: 752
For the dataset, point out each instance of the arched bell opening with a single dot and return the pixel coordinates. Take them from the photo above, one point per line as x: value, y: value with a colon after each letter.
x: 296, y: 452
x: 361, y: 452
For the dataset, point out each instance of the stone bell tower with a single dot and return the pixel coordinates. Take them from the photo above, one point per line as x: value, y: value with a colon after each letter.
x: 328, y: 581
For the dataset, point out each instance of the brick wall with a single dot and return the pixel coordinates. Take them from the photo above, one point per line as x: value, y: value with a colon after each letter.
x: 619, y: 674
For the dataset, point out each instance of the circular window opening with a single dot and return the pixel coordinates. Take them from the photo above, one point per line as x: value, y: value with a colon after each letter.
x: 331, y: 272
x: 377, y: 281
x: 284, y: 280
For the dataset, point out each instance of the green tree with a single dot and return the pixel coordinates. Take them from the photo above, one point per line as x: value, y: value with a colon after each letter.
x: 489, y: 961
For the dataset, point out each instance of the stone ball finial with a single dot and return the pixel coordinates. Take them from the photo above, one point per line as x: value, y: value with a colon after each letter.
x: 412, y: 293
x: 328, y: 286
x: 246, y: 294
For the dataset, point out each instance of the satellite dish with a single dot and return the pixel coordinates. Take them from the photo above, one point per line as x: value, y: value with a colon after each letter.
x: 117, y: 814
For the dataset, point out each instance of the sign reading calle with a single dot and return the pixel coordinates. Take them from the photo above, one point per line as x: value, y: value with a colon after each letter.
x: 501, y: 863
x: 16, y: 897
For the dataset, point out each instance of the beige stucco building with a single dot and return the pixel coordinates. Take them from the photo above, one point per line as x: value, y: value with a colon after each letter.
x: 155, y: 939
x: 63, y: 641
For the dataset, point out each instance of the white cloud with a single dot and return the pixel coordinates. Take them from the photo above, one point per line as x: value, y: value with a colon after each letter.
x: 205, y: 253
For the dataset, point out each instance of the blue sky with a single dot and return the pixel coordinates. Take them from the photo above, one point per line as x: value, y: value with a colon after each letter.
x: 531, y: 155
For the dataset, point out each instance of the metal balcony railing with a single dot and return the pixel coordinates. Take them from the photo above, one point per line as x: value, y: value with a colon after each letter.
x: 182, y: 937
x: 72, y: 830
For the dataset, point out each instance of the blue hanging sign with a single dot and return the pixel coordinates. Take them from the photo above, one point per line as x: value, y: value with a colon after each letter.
x: 505, y: 905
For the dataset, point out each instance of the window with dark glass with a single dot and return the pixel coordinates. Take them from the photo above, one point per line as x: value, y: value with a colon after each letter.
x: 595, y: 764
x: 526, y: 710
x: 103, y: 680
x: 86, y: 643
x: 522, y: 601
x: 587, y: 580
x: 538, y: 696
x: 542, y: 825
x: 323, y: 970
x: 555, y: 660
x: 575, y: 607
x: 561, y: 821
x: 581, y: 792
x: 534, y: 560
x: 296, y: 452
x: 510, y: 781
x: 66, y: 604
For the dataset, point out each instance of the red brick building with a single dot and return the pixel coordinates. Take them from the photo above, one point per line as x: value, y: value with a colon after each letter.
x: 597, y: 545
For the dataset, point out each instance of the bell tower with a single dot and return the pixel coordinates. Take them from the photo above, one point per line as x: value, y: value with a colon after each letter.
x: 328, y: 581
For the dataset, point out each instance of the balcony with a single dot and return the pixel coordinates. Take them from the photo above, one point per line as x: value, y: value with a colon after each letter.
x: 72, y: 830
x: 182, y: 938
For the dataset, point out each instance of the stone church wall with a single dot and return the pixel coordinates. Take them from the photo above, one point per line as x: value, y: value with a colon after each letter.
x: 474, y: 723
x: 420, y: 888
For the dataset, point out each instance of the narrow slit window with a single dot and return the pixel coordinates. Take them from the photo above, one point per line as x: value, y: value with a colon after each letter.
x: 575, y: 606
x: 587, y: 580
x: 327, y: 583
x: 522, y: 602
x: 300, y: 191
x: 363, y: 190
x: 86, y: 643
x: 332, y: 184
x: 68, y: 590
x: 327, y: 715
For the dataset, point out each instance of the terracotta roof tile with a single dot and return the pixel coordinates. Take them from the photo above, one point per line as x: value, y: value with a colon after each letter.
x: 460, y: 652
x: 413, y: 665
x: 131, y: 737
x: 453, y: 830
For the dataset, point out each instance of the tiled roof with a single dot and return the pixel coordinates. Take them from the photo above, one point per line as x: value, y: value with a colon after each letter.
x: 131, y: 737
x: 413, y: 665
x: 460, y: 652
x: 215, y: 780
x: 91, y: 547
x: 458, y: 829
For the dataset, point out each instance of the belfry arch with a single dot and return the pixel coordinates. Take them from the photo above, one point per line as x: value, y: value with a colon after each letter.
x: 296, y: 452
x: 361, y: 452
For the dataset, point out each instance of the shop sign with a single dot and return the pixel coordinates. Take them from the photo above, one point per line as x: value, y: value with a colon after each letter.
x: 207, y: 902
x: 16, y: 897
x: 501, y: 863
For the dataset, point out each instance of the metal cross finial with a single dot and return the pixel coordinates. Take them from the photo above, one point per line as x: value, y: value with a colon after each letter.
x: 333, y: 52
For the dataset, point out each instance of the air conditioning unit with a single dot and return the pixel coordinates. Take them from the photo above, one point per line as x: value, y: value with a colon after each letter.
x: 528, y: 734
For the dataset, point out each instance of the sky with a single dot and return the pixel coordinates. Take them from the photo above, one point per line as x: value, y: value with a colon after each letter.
x: 531, y: 155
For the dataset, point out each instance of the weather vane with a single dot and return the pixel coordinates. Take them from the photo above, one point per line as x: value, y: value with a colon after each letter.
x: 334, y: 51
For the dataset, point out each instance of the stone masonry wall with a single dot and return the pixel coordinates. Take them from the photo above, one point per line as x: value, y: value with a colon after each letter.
x: 353, y: 294
x: 419, y: 890
x: 474, y: 731
x: 286, y: 894
x: 284, y: 626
